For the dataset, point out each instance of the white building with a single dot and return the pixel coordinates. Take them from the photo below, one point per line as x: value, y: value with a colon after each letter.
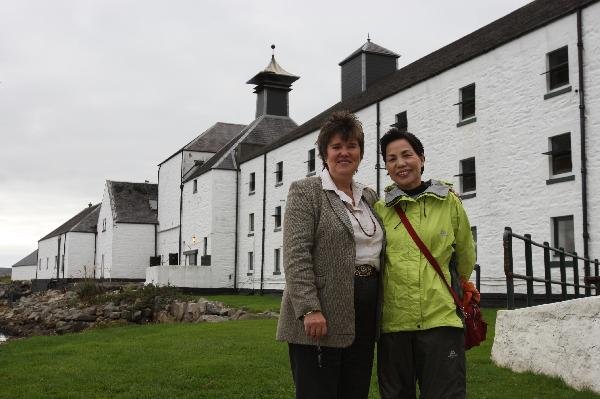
x: 498, y: 112
x: 25, y: 268
x: 126, y: 231
x: 210, y: 190
x: 68, y: 251
x: 171, y: 173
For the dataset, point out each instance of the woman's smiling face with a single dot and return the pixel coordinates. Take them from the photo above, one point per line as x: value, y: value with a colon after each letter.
x: 403, y: 164
x: 343, y: 157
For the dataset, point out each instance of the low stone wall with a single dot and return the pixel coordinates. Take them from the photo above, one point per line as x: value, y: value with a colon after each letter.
x: 58, y: 312
x: 560, y: 340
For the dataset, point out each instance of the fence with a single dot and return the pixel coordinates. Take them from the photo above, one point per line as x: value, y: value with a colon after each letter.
x: 547, y: 280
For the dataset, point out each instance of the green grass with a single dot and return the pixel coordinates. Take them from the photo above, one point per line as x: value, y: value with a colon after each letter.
x: 252, y: 303
x: 238, y: 359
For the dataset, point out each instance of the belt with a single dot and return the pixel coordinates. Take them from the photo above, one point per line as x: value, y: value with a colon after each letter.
x: 365, y: 271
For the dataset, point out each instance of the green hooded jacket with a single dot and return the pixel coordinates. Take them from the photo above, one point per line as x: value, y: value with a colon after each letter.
x: 414, y: 297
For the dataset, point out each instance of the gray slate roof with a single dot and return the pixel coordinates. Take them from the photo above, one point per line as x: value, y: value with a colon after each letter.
x: 371, y: 48
x: 510, y: 27
x: 29, y: 260
x: 84, y: 222
x: 212, y: 139
x: 263, y: 131
x: 130, y: 202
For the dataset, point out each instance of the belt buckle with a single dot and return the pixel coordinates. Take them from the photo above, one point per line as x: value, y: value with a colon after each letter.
x: 364, y: 271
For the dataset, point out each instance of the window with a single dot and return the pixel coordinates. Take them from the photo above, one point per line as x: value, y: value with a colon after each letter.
x: 277, y: 261
x: 40, y: 264
x: 311, y: 162
x: 467, y: 102
x: 251, y: 224
x: 195, y: 186
x: 47, y: 261
x: 474, y: 234
x: 205, y: 246
x: 279, y: 173
x: 467, y: 175
x: 277, y: 217
x: 250, y: 262
x: 560, y: 154
x: 401, y: 122
x: 252, y: 183
x: 563, y: 233
x: 557, y: 74
x: 104, y: 224
x: 192, y: 257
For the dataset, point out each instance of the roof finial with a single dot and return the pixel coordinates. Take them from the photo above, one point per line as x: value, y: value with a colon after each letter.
x: 368, y: 37
x: 273, y: 48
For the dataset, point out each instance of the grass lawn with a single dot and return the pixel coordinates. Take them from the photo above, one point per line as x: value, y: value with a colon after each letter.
x: 237, y: 359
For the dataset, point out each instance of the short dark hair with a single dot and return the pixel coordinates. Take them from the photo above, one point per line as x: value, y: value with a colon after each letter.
x: 395, y: 134
x: 344, y: 123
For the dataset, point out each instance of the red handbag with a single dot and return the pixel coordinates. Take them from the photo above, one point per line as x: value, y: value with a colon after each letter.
x: 475, y: 325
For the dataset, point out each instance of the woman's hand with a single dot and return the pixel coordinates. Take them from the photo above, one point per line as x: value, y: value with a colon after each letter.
x: 315, y: 325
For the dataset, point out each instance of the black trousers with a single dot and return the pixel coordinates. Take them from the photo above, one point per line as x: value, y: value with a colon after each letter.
x: 434, y: 358
x: 342, y: 373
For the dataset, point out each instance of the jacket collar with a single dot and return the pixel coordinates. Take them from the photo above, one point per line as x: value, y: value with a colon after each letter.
x: 436, y: 189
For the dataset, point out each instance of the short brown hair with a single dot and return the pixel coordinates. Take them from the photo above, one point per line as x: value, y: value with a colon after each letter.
x: 344, y: 123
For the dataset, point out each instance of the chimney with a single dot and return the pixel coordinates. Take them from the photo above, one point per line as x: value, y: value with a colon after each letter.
x: 272, y: 87
x: 365, y: 66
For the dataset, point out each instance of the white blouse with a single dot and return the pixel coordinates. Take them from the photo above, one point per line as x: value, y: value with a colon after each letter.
x: 368, y: 234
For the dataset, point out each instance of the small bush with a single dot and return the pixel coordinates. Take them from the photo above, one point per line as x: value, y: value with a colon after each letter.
x: 88, y: 290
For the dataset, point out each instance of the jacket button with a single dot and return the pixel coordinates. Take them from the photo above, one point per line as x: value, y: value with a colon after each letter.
x: 418, y: 326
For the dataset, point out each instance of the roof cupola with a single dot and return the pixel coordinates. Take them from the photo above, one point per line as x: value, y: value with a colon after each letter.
x: 272, y: 87
x: 365, y: 66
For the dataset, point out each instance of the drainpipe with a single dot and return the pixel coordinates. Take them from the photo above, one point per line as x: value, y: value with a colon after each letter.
x: 377, y: 156
x: 155, y: 238
x: 264, y: 211
x: 584, y: 205
x: 95, y: 249
x: 64, y: 257
x: 180, y: 208
x: 156, y: 225
x: 237, y: 213
x: 58, y: 259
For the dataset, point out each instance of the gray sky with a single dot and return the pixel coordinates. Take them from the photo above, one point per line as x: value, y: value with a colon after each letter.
x: 96, y: 90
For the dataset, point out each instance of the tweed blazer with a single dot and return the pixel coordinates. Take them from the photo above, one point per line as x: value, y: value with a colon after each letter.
x: 319, y: 254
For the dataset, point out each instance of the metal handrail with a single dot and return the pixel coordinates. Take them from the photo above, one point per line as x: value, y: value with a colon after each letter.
x: 528, y: 276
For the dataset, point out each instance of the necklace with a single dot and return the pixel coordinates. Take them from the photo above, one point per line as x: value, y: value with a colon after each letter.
x: 361, y: 227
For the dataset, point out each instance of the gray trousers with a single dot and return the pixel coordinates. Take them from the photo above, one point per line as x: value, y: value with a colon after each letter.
x: 435, y: 359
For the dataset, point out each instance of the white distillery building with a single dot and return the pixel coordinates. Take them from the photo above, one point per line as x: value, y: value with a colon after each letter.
x: 126, y: 231
x: 68, y: 251
x: 208, y: 193
x: 25, y: 268
x: 509, y: 114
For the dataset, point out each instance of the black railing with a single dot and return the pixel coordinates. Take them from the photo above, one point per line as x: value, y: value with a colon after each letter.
x: 547, y: 280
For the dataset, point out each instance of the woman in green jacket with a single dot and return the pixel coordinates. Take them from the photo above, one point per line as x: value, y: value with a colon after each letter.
x: 422, y: 338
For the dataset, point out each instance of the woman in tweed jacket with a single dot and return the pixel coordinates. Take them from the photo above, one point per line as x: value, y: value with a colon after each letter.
x: 332, y: 255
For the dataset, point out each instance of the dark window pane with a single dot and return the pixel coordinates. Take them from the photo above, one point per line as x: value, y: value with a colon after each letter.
x: 311, y: 160
x: 564, y: 234
x: 467, y: 98
x: 468, y: 181
x: 558, y: 68
x: 252, y: 184
x: 561, y: 154
x: 401, y: 121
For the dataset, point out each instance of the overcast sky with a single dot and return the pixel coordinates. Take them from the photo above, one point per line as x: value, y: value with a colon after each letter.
x: 96, y: 90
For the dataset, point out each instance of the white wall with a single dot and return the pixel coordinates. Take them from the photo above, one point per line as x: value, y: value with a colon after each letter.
x: 189, y: 158
x: 169, y: 179
x: 20, y: 273
x: 47, y: 251
x: 105, y: 238
x: 79, y: 255
x: 558, y: 339
x: 133, y: 245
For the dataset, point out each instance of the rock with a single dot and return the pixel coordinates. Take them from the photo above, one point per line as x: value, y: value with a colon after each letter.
x: 193, y: 312
x: 177, y: 310
x: 126, y: 315
x: 213, y: 308
x: 212, y: 318
x: 136, y: 316
x: 114, y: 315
x: 238, y: 313
x: 147, y: 313
x: 164, y: 317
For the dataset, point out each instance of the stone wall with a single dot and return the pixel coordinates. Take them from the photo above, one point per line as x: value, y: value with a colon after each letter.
x: 560, y: 340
